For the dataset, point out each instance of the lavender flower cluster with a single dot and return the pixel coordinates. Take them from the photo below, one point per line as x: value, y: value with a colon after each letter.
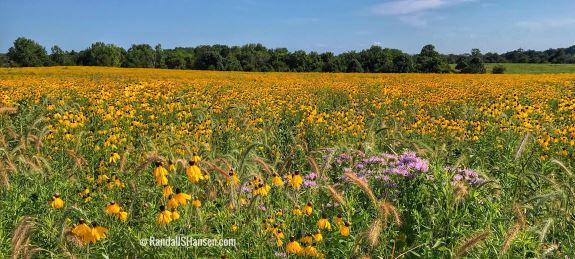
x: 467, y: 175
x: 309, y: 180
x: 382, y: 167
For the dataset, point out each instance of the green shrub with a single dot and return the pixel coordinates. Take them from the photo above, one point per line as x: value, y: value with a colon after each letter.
x: 499, y: 69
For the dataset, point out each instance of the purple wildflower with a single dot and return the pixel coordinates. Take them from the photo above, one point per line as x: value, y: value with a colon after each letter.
x: 309, y: 184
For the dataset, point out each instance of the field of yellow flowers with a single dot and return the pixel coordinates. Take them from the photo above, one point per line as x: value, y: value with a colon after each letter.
x: 97, y: 162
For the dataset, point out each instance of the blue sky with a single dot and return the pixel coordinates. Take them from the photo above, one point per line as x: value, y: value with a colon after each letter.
x: 453, y: 26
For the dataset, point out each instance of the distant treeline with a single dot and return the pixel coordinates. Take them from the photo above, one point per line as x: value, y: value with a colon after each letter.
x: 256, y: 57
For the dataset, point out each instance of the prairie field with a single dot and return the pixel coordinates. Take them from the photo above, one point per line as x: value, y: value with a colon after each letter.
x: 523, y: 68
x: 329, y: 165
x: 530, y: 68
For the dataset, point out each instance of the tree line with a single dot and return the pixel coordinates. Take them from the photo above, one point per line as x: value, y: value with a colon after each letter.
x: 256, y: 57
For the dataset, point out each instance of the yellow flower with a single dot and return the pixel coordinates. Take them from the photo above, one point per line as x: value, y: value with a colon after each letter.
x: 194, y: 172
x: 175, y: 215
x: 293, y: 247
x: 113, y: 208
x: 161, y: 174
x: 114, y: 157
x: 307, y: 209
x: 296, y: 211
x: 234, y: 227
x: 317, y: 236
x: 310, y: 251
x: 102, y: 178
x: 87, y: 198
x: 56, y: 202
x: 279, y: 213
x: 277, y: 180
x: 164, y: 217
x: 172, y: 202
x: 181, y: 197
x: 295, y: 180
x: 167, y: 191
x: 344, y: 230
x: 122, y: 216
x: 98, y: 232
x: 117, y: 181
x: 84, y: 192
x: 233, y: 179
x: 338, y: 220
x: 323, y: 223
x: 261, y: 190
x: 110, y: 184
x: 160, y: 169
x: 83, y: 231
x: 307, y: 239
x: 279, y: 234
x: 171, y: 166
x: 197, y: 203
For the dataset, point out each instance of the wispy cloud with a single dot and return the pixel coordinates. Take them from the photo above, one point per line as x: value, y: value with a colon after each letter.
x: 414, y: 20
x: 412, y: 11
x: 553, y: 23
x: 404, y: 7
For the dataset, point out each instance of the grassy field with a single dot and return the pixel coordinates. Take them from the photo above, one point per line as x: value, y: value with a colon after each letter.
x: 96, y: 162
x: 516, y: 68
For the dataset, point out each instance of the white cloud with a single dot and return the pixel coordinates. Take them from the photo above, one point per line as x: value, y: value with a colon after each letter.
x: 411, y: 11
x: 547, y: 23
x: 414, y: 20
x: 404, y: 7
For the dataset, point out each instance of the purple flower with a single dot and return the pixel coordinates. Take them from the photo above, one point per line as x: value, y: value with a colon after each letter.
x: 457, y: 177
x: 310, y: 176
x: 384, y: 178
x: 373, y: 160
x: 344, y: 156
x: 309, y: 184
x: 468, y: 175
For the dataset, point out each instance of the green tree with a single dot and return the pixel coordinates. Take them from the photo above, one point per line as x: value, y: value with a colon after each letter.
x: 278, y: 59
x: 376, y: 60
x: 330, y: 62
x: 402, y: 63
x: 140, y: 55
x: 4, y: 61
x: 101, y: 54
x: 314, y: 63
x: 209, y: 60
x: 474, y: 63
x: 233, y: 64
x: 28, y: 53
x: 175, y: 59
x: 254, y: 57
x: 59, y: 57
x: 461, y: 63
x: 430, y: 61
x: 159, y: 59
x: 297, y: 61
